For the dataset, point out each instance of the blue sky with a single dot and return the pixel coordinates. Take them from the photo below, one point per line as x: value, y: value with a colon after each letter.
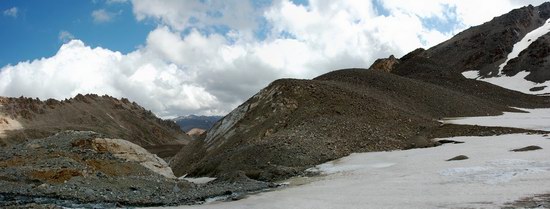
x: 34, y: 32
x: 179, y: 57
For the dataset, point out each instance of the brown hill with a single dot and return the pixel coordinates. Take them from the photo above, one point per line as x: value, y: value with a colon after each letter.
x: 294, y: 124
x: 102, y: 114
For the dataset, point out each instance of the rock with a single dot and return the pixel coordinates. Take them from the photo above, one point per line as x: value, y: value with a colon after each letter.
x: 448, y: 141
x: 538, y: 88
x: 385, y: 64
x: 528, y: 148
x: 132, y: 152
x: 460, y: 157
x: 33, y: 146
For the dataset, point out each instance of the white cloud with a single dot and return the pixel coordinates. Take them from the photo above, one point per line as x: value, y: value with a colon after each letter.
x: 186, y: 67
x: 181, y: 14
x: 65, y: 36
x: 102, y: 15
x: 77, y: 68
x: 11, y: 12
x: 116, y: 1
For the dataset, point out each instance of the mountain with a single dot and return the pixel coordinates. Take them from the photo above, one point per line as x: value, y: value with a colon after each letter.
x: 27, y: 118
x: 189, y: 122
x: 513, y: 48
x: 294, y: 124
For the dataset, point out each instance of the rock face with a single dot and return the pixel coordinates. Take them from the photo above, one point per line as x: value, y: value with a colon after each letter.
x: 386, y: 64
x: 196, y: 132
x: 8, y: 124
x: 483, y: 48
x: 294, y: 124
x: 103, y: 114
x: 133, y: 153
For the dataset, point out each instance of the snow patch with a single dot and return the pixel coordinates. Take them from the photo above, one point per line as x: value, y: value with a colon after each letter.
x: 472, y: 74
x: 537, y: 119
x: 419, y: 178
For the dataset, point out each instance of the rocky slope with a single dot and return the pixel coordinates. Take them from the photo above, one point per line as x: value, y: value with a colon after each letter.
x: 84, y: 169
x: 27, y: 118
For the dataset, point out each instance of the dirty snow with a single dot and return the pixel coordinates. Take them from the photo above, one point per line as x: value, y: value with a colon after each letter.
x: 517, y: 82
x: 422, y: 178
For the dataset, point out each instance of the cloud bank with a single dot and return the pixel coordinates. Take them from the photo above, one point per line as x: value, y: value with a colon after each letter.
x: 207, y: 57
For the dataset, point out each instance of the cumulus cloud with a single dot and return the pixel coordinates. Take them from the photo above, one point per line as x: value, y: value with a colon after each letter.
x: 102, y: 15
x: 77, y: 68
x: 64, y: 36
x: 11, y: 12
x: 188, y: 65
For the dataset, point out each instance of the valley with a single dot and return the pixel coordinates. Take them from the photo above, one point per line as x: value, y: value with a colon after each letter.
x: 462, y: 124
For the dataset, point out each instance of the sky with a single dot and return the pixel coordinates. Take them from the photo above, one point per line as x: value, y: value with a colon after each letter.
x: 180, y: 57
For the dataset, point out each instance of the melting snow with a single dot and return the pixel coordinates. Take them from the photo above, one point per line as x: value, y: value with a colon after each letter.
x: 421, y: 178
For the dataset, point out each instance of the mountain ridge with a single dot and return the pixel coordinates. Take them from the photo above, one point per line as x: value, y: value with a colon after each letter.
x: 103, y: 114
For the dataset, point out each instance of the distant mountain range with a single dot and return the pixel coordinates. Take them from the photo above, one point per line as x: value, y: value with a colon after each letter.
x: 189, y: 122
